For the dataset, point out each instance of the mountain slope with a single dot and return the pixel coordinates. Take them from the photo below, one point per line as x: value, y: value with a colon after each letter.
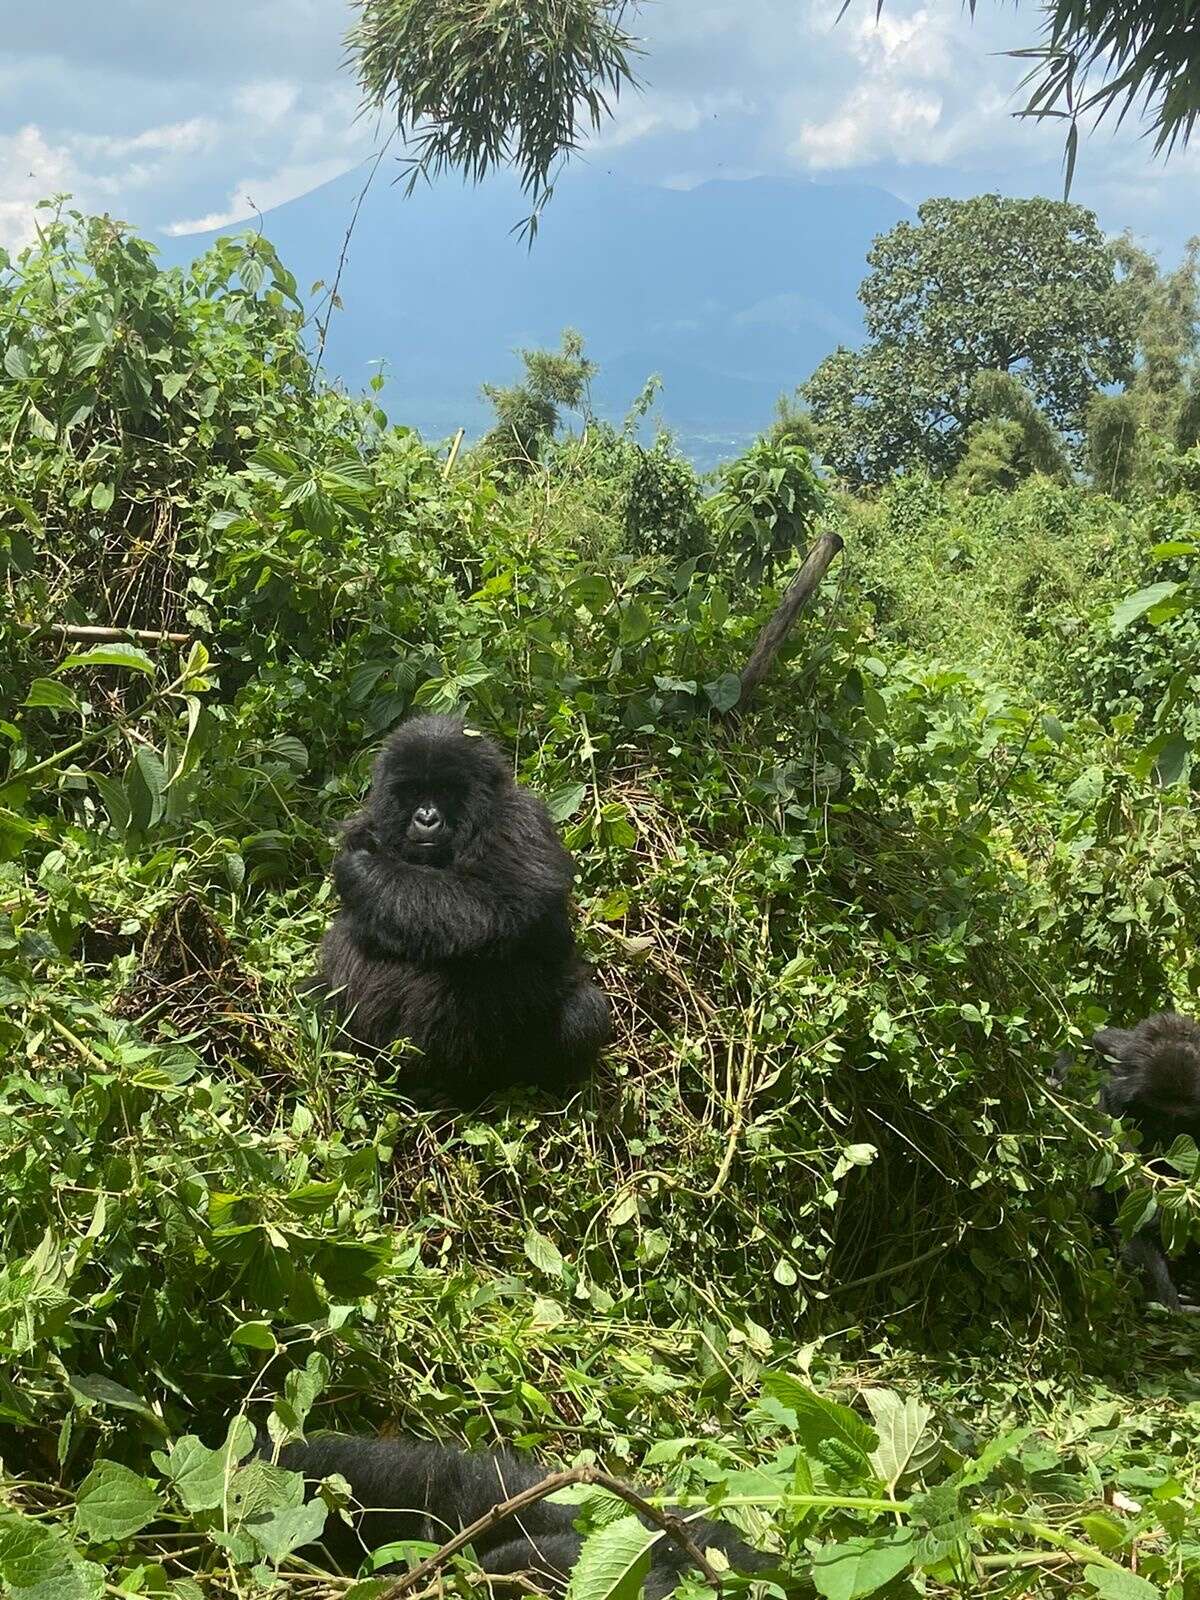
x: 732, y: 291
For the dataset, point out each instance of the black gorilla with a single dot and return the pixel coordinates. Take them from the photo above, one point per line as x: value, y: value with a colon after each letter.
x: 414, y: 1490
x: 454, y: 930
x: 1153, y: 1085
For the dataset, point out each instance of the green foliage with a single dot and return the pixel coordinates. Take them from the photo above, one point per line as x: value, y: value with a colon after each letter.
x: 987, y: 285
x: 1011, y: 440
x: 1113, y: 443
x: 839, y: 934
x: 663, y: 513
x: 473, y: 87
x: 765, y: 505
x: 527, y: 413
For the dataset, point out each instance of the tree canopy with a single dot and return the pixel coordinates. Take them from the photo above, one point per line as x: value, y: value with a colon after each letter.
x: 987, y: 285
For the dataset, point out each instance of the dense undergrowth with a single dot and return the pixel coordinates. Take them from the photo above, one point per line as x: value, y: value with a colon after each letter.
x: 844, y: 928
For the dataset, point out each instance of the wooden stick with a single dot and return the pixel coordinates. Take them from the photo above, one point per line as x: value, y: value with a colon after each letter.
x: 674, y: 1527
x: 796, y: 596
x: 453, y: 456
x: 69, y: 630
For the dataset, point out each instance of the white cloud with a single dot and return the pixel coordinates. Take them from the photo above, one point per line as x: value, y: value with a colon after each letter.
x: 870, y: 126
x: 249, y: 196
x: 30, y: 169
x: 171, y: 139
x: 639, y: 115
x: 268, y: 102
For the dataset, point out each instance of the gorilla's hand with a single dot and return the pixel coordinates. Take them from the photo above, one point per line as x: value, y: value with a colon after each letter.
x: 423, y: 914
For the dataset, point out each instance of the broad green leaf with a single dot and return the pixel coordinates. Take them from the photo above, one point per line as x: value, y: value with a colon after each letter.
x: 274, y: 460
x: 289, y: 1528
x: 544, y: 1253
x: 861, y: 1566
x: 116, y: 801
x: 16, y: 362
x: 724, y: 692
x: 40, y: 1563
x: 614, y: 1562
x: 1136, y: 605
x: 199, y: 1474
x: 291, y: 750
x: 111, y: 655
x: 1105, y: 1532
x: 993, y: 1453
x: 103, y: 496
x: 1137, y: 1209
x: 48, y: 692
x: 818, y: 1418
x: 145, y: 788
x: 256, y: 1335
x: 1120, y: 1585
x: 565, y: 802
x: 114, y: 1503
x: 1172, y: 764
x: 107, y: 1393
x: 906, y: 1443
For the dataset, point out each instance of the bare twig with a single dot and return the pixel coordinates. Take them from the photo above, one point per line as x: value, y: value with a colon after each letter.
x: 797, y: 595
x: 323, y: 328
x: 674, y: 1527
x: 69, y: 630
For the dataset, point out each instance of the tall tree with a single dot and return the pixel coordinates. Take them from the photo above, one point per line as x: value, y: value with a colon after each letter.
x: 1026, y: 287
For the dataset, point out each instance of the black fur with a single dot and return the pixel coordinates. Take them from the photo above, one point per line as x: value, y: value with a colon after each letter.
x: 408, y: 1489
x: 455, y: 930
x: 1153, y: 1085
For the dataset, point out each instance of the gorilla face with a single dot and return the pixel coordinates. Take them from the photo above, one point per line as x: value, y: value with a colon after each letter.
x: 433, y: 791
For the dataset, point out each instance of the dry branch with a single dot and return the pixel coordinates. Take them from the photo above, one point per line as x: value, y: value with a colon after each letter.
x: 796, y: 596
x: 84, y: 635
x: 674, y: 1527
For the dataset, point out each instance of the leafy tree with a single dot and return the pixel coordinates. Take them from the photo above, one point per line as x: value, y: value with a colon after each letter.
x: 765, y: 507
x: 474, y: 87
x: 527, y: 413
x: 1012, y: 440
x: 793, y: 423
x: 1113, y: 442
x: 974, y: 286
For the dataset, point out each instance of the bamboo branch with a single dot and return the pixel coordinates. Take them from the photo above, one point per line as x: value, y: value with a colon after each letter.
x: 69, y: 630
x: 796, y: 596
x: 674, y: 1527
x: 453, y: 456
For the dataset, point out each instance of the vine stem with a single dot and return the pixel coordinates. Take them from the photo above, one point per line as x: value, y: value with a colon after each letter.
x: 673, y: 1526
x: 88, y: 739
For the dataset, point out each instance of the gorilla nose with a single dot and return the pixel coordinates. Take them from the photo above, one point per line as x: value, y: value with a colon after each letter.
x: 427, y: 820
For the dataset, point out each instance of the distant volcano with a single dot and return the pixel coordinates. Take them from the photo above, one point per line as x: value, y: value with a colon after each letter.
x: 732, y: 291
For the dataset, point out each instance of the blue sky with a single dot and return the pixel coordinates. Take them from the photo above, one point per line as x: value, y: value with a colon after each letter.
x: 186, y: 117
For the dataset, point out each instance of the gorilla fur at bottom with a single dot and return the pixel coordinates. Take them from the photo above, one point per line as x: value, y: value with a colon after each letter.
x: 455, y: 928
x: 411, y: 1489
x: 1152, y: 1083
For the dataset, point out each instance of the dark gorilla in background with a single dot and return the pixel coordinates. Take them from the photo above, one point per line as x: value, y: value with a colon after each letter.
x: 413, y: 1490
x: 1153, y: 1085
x: 455, y: 929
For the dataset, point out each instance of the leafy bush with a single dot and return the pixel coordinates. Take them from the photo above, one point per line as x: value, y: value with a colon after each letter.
x: 839, y: 930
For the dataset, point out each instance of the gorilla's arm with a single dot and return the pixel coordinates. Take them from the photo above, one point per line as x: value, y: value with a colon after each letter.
x: 512, y: 885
